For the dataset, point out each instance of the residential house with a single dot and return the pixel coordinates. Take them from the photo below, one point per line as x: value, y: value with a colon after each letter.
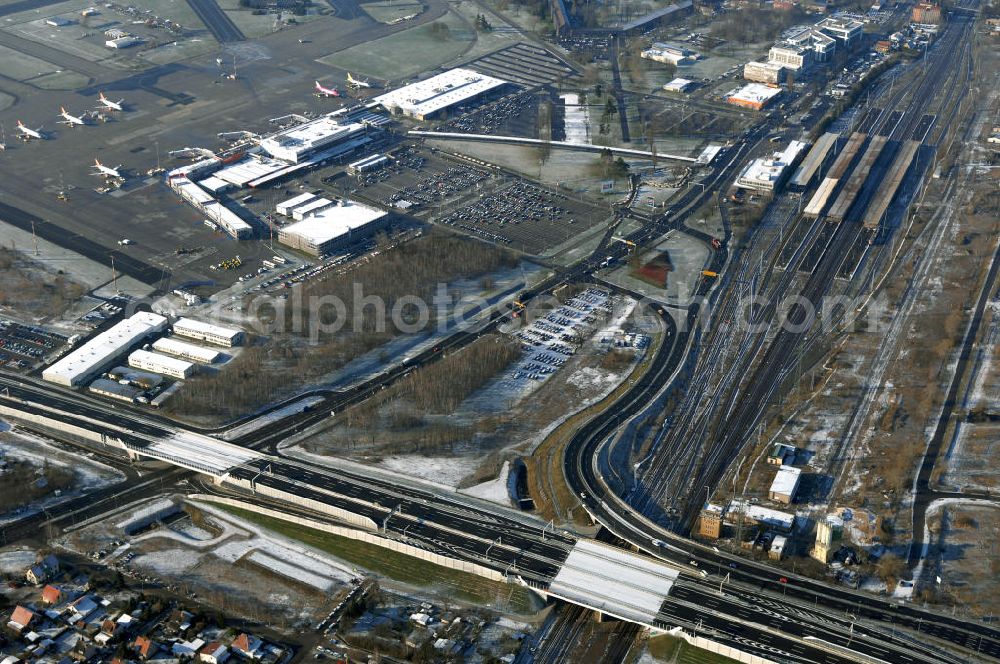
x: 21, y: 619
x: 213, y: 653
x: 247, y: 645
x: 42, y: 571
x: 145, y: 647
x: 52, y: 594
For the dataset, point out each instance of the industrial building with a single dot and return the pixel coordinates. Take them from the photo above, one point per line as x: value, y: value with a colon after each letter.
x: 769, y: 173
x: 214, y: 334
x: 760, y: 515
x: 125, y: 41
x: 753, y: 95
x: 224, y: 218
x: 765, y: 72
x: 370, y: 163
x: 679, y: 85
x: 89, y: 359
x: 315, y: 206
x: 115, y: 390
x: 437, y: 95
x: 161, y: 364
x: 829, y: 536
x: 785, y: 484
x: 295, y: 144
x: 184, y: 350
x: 333, y: 227
x: 285, y: 207
x: 711, y: 521
x: 926, y: 12
x: 669, y: 53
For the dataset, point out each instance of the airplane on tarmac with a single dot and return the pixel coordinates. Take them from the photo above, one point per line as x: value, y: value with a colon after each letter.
x: 27, y: 133
x: 70, y: 119
x: 107, y: 171
x: 357, y: 83
x: 326, y: 92
x: 111, y: 105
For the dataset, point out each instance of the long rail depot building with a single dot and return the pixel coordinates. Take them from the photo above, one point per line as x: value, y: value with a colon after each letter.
x: 90, y: 358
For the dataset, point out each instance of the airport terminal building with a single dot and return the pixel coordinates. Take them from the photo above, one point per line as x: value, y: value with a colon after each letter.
x: 437, y: 95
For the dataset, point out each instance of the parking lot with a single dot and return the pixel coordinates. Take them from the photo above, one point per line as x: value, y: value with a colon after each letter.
x: 513, y: 115
x: 524, y: 217
x: 22, y: 346
x: 551, y: 340
x: 524, y: 64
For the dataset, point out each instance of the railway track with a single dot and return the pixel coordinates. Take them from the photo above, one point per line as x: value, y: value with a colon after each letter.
x: 776, y: 363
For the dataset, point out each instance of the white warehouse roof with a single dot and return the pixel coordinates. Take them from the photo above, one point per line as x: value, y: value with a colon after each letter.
x: 294, y: 143
x: 756, y: 93
x: 202, y: 328
x: 189, y: 351
x: 102, y: 349
x: 314, y: 206
x: 431, y: 95
x: 246, y: 170
x: 284, y: 207
x: 786, y: 481
x: 764, y: 515
x: 333, y: 222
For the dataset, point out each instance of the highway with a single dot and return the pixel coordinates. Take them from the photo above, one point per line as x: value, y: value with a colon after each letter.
x: 741, y: 603
x: 448, y: 523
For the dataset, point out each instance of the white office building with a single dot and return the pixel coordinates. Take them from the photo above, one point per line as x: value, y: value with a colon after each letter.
x: 161, y: 364
x: 764, y: 72
x: 97, y: 354
x: 213, y: 334
x: 185, y: 350
x: 791, y: 56
x: 846, y: 31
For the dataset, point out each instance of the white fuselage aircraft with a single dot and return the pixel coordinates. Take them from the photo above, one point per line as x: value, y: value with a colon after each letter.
x: 107, y: 171
x: 111, y: 105
x: 70, y: 119
x: 28, y: 133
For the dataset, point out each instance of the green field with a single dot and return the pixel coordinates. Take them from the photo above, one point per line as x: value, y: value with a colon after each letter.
x: 257, y: 25
x: 21, y: 67
x: 672, y: 650
x: 387, y: 11
x: 406, y: 53
x: 59, y: 80
x: 460, y: 586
